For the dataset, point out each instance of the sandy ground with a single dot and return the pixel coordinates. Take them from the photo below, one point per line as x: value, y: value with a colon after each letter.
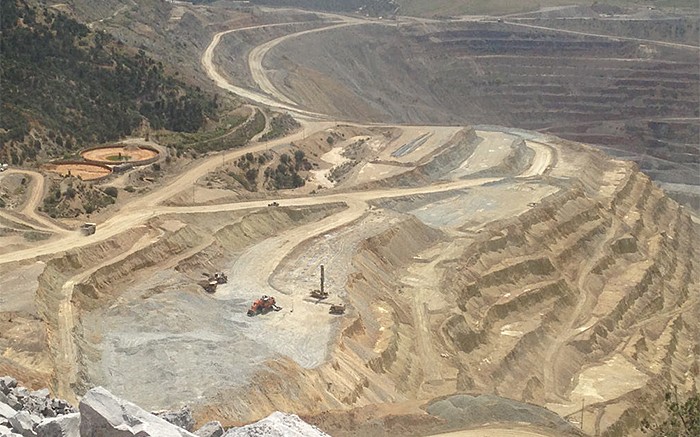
x: 489, y: 153
x: 19, y: 287
x: 86, y: 172
x: 417, y: 142
x: 128, y: 153
x: 594, y: 384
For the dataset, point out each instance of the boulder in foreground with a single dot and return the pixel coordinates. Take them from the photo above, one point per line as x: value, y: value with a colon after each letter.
x: 67, y: 425
x: 103, y: 414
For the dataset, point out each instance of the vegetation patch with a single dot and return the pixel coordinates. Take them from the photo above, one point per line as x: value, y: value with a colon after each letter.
x: 280, y: 125
x: 36, y: 236
x: 71, y: 198
x: 264, y: 171
x: 233, y: 132
x: 286, y: 174
x: 81, y: 86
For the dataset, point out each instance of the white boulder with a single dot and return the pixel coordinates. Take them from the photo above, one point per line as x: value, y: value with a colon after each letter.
x: 67, y: 425
x: 103, y: 414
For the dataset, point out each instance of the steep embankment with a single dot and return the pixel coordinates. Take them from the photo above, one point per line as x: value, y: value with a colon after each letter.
x: 605, y: 273
x: 110, y: 91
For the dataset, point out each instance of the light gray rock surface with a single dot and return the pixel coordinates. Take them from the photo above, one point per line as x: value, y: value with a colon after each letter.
x: 10, y: 400
x: 182, y: 417
x: 6, y: 411
x: 277, y: 424
x: 103, y: 414
x: 7, y: 383
x: 67, y: 425
x: 210, y: 429
x: 7, y: 432
x: 24, y: 423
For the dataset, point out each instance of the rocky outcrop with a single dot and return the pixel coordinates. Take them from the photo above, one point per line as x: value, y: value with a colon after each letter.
x: 24, y: 423
x: 103, y: 414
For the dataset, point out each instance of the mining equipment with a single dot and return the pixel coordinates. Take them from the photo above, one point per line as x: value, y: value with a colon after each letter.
x: 322, y: 293
x: 210, y: 287
x: 337, y: 309
x: 220, y: 278
x: 263, y: 305
x: 88, y: 228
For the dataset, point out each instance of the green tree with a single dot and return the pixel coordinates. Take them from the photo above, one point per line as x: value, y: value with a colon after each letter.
x: 111, y: 191
x: 683, y: 418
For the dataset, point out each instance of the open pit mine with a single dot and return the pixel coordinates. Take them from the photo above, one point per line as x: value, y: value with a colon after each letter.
x: 426, y: 279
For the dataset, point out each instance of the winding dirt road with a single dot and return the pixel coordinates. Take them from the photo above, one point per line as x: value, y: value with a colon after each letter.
x: 29, y: 209
x: 222, y: 83
x: 256, y: 56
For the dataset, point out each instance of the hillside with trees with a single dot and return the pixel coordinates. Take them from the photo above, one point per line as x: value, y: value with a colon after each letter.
x: 64, y: 86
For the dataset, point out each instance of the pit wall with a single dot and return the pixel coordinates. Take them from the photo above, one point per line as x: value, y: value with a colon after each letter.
x: 625, y: 288
x: 497, y: 285
x: 102, y: 286
x: 58, y: 271
x: 447, y: 158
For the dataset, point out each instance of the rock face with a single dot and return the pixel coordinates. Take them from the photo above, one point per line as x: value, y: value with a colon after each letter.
x: 67, y: 425
x: 7, y: 432
x: 210, y: 429
x: 6, y: 412
x: 103, y: 414
x: 182, y: 417
x: 277, y: 424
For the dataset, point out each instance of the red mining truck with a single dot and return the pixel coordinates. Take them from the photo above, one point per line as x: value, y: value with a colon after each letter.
x: 263, y: 305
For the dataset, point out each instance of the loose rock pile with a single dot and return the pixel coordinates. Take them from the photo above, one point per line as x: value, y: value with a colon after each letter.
x: 25, y: 413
